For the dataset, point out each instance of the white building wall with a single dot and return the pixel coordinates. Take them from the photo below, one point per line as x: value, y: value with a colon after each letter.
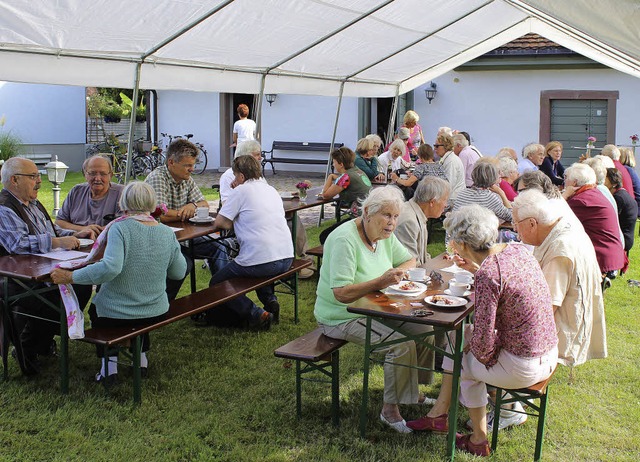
x: 502, y: 108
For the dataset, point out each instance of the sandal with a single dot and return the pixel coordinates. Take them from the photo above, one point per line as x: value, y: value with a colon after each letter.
x: 464, y: 443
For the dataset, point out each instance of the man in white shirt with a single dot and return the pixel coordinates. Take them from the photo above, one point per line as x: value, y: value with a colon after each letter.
x: 451, y: 164
x: 533, y: 156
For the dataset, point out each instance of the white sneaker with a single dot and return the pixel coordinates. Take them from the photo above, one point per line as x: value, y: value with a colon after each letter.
x: 508, y: 418
x: 400, y: 427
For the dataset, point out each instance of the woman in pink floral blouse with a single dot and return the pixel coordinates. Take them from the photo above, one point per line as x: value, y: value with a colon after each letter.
x: 513, y: 341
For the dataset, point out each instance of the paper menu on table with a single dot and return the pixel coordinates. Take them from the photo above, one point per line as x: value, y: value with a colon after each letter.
x: 63, y: 255
x: 175, y: 230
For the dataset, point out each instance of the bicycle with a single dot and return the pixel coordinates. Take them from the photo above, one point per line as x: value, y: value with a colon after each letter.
x: 201, y: 159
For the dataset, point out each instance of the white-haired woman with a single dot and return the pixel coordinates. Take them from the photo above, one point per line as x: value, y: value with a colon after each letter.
x: 596, y: 214
x: 508, y: 169
x: 360, y: 257
x: 366, y: 159
x: 138, y: 256
x: 513, y: 341
x: 393, y: 156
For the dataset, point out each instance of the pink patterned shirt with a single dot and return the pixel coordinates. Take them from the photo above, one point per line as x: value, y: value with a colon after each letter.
x: 513, y: 307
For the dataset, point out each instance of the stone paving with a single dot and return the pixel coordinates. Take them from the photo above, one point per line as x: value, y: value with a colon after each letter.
x: 282, y: 181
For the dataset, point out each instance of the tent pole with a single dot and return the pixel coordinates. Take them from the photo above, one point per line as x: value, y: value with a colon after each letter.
x: 257, y: 110
x: 333, y: 140
x: 392, y: 117
x: 132, y: 122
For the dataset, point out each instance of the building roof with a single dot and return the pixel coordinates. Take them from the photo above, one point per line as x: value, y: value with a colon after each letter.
x: 530, y: 45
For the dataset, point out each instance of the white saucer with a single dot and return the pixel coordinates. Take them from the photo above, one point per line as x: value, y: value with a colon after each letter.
x: 201, y: 220
x: 466, y: 293
x: 85, y: 242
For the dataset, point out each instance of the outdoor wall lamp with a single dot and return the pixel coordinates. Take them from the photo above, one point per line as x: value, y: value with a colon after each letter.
x: 430, y: 91
x: 56, y: 172
x: 271, y: 98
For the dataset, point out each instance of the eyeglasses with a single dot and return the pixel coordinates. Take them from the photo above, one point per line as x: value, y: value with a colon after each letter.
x: 95, y: 174
x: 33, y: 176
x: 516, y: 223
x: 438, y: 145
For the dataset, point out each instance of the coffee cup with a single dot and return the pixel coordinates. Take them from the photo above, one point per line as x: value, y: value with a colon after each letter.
x: 202, y: 213
x: 464, y: 277
x: 458, y: 288
x: 417, y: 274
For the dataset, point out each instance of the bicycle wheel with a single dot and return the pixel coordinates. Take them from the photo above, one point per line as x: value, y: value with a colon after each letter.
x: 201, y: 161
x: 140, y: 167
x: 119, y: 168
x: 157, y: 159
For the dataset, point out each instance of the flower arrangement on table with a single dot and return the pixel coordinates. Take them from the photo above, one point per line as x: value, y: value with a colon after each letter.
x: 160, y: 210
x: 590, y: 141
x: 302, y: 187
x: 634, y: 139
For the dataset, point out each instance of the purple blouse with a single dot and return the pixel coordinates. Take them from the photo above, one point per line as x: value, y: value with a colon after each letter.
x: 513, y: 307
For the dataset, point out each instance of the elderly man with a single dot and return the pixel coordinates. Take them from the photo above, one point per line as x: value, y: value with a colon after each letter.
x: 429, y: 201
x: 467, y: 155
x: 175, y: 187
x: 94, y: 203
x: 612, y: 151
x: 568, y: 261
x: 26, y: 228
x: 228, y: 184
x: 508, y: 153
x: 533, y: 156
x: 596, y: 214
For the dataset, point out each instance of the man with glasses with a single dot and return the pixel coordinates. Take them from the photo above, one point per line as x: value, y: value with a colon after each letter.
x: 93, y: 204
x: 26, y: 228
x: 176, y: 188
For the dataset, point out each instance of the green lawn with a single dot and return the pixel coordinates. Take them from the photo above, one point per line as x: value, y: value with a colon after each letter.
x: 221, y: 395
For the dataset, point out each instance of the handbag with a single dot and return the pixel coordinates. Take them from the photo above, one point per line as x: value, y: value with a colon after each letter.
x: 75, y: 318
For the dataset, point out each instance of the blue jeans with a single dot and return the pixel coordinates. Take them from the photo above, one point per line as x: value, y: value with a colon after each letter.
x: 243, y: 305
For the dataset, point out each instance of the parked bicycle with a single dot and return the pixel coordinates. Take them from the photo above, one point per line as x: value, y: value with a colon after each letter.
x: 116, y: 150
x: 201, y: 160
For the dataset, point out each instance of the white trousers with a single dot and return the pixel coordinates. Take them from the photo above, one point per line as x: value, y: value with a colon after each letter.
x: 400, y: 383
x: 509, y: 372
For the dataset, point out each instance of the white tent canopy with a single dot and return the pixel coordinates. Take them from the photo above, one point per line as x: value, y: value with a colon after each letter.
x: 372, y: 48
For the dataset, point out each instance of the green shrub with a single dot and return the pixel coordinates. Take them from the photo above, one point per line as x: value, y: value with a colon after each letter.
x: 10, y: 145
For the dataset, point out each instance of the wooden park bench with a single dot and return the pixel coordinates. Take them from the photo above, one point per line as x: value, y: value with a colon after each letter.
x: 185, y: 307
x: 297, y: 146
x: 318, y: 353
x: 317, y: 252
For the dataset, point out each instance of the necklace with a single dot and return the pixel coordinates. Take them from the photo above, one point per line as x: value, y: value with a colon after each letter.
x: 373, y: 245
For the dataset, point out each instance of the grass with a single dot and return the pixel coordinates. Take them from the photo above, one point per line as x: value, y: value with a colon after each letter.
x: 220, y: 395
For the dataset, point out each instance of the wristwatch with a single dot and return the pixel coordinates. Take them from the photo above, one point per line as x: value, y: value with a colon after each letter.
x: 195, y: 206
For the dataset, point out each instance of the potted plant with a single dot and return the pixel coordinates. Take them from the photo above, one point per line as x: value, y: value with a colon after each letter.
x: 111, y: 112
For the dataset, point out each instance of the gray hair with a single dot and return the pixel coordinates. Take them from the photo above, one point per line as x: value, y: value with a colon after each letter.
x: 606, y: 161
x: 598, y: 168
x: 507, y: 166
x: 484, y: 174
x: 445, y: 131
x: 10, y: 167
x: 138, y: 196
x: 380, y: 198
x: 404, y: 133
x: 375, y: 138
x: 431, y: 188
x: 582, y: 174
x: 474, y: 226
x: 88, y: 160
x: 506, y: 152
x: 530, y: 149
x: 532, y: 203
x: 611, y: 150
x: 460, y: 139
x: 247, y: 148
x: 364, y: 144
x: 397, y: 144
x: 538, y: 180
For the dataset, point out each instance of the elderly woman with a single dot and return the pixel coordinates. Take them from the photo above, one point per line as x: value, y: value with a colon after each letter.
x: 628, y: 159
x: 451, y: 164
x: 139, y: 254
x: 513, y: 341
x: 485, y: 191
x: 377, y: 142
x: 568, y: 261
x: 360, y: 257
x: 627, y: 207
x: 596, y: 214
x: 393, y: 156
x: 612, y: 151
x: 508, y: 170
x: 254, y: 211
x: 416, y: 138
x: 366, y: 159
x: 551, y: 165
x: 532, y: 157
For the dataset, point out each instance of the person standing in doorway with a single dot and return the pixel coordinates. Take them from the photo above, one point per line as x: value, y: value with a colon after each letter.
x: 245, y: 128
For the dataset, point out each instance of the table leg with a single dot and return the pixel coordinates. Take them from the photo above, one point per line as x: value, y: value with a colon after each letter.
x: 365, y: 380
x: 192, y: 254
x: 455, y: 389
x: 137, y: 376
x: 64, y: 351
x: 294, y: 229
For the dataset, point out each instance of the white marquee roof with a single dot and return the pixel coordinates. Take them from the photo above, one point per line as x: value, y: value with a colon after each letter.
x: 376, y: 47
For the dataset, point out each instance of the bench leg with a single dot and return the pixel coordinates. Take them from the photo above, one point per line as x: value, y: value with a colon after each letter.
x: 365, y: 380
x: 298, y: 390
x: 295, y: 298
x: 542, y: 417
x: 137, y: 376
x: 335, y: 388
x: 496, y: 419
